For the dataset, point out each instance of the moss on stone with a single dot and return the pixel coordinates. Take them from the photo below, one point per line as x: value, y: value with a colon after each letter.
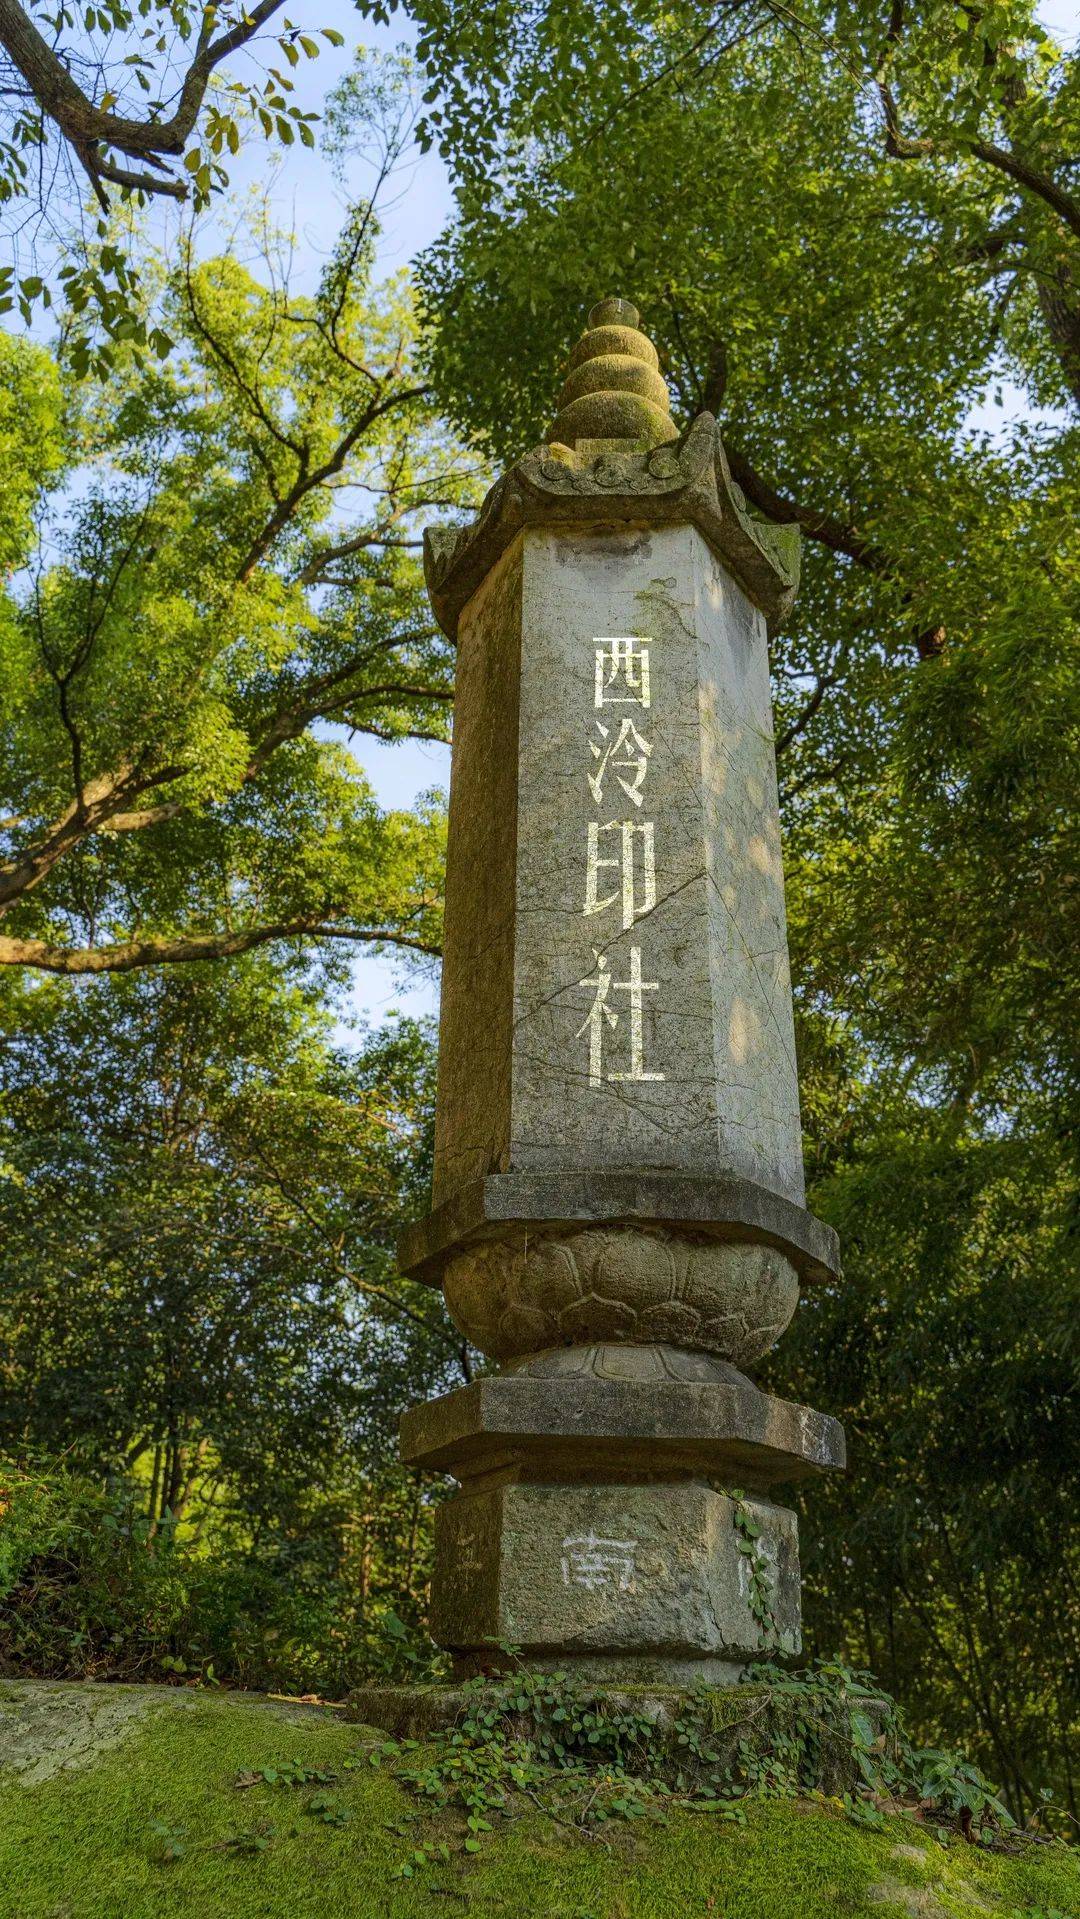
x: 81, y: 1845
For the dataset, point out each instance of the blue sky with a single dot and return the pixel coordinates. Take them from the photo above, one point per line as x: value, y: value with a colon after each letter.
x: 310, y: 202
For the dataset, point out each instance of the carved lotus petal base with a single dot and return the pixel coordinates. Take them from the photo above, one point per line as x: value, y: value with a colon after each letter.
x: 621, y: 1285
x: 638, y: 1365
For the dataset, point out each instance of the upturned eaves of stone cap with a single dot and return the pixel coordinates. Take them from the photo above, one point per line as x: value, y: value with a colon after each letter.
x: 615, y: 457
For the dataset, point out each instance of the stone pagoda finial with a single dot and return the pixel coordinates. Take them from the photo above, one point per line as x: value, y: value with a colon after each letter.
x: 613, y: 388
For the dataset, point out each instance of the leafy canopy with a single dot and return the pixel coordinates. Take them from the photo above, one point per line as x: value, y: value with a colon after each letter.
x: 140, y: 99
x: 222, y: 564
x: 847, y: 233
x: 199, y: 1195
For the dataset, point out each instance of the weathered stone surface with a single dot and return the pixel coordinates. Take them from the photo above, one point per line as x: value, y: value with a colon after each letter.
x: 656, y: 891
x: 618, y: 1190
x: 477, y: 1005
x: 609, y: 1572
x: 516, y: 1296
x: 572, y: 1426
x: 724, y: 1207
x: 640, y: 1365
x: 740, y: 1717
x: 613, y: 389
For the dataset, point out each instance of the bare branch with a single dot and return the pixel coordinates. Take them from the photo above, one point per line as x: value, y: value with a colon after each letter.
x: 309, y: 479
x: 802, y: 720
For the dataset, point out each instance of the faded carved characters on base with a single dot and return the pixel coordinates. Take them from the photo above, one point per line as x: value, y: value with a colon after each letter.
x: 517, y: 1296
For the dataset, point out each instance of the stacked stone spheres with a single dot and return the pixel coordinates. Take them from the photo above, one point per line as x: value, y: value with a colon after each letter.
x: 618, y: 1209
x: 614, y: 389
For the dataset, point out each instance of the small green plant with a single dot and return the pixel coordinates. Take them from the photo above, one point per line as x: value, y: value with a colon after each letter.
x: 1034, y: 1912
x: 538, y: 1741
x: 761, y: 1588
x: 761, y: 1576
x: 247, y: 1845
x: 170, y: 1842
x: 285, y: 1772
x: 328, y: 1809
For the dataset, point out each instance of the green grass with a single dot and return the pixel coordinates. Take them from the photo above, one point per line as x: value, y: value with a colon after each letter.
x: 82, y: 1846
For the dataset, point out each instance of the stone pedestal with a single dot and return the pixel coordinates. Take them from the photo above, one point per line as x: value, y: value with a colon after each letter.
x: 617, y: 1581
x: 618, y: 1194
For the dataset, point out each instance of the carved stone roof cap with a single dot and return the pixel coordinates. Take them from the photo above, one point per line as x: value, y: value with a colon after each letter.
x: 600, y: 483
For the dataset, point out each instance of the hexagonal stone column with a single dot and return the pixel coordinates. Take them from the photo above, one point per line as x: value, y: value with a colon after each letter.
x: 618, y: 1171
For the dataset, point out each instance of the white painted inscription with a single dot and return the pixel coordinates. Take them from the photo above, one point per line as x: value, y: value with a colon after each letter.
x: 627, y: 753
x: 593, y: 1562
x: 600, y: 1013
x: 620, y: 859
x: 622, y: 662
x: 636, y: 888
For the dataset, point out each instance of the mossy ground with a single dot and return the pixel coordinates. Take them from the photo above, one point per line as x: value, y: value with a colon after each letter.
x: 82, y: 1846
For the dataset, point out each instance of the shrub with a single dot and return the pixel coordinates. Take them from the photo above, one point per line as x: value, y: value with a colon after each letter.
x: 87, y: 1590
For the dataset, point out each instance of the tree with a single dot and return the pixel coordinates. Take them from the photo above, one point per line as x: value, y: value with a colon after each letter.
x: 206, y: 1345
x: 947, y: 1557
x: 199, y: 1196
x: 974, y: 106
x: 815, y: 294
x: 845, y: 309
x: 83, y: 79
x: 84, y: 95
x: 196, y: 603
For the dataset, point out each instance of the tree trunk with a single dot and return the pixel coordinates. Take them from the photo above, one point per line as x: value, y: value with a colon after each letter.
x: 1059, y: 298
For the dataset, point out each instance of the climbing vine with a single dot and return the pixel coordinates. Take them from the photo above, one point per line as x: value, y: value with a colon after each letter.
x: 761, y: 1589
x: 529, y: 1743
x: 544, y: 1742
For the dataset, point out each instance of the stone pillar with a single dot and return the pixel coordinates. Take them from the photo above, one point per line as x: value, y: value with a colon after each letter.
x: 618, y: 1197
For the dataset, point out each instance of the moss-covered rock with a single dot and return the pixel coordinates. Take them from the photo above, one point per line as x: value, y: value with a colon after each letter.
x: 90, y: 1837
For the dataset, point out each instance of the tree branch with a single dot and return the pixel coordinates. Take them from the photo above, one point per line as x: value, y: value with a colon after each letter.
x: 313, y: 703
x: 308, y: 479
x: 839, y: 536
x: 1004, y: 159
x: 96, y: 803
x: 1031, y: 179
x: 87, y: 127
x: 836, y: 534
x: 129, y: 956
x: 802, y: 720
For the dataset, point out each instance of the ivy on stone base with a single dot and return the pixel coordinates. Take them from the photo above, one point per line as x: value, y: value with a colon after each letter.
x: 762, y: 1583
x: 584, y: 1757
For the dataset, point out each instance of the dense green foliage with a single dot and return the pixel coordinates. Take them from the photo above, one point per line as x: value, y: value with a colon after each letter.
x: 592, y: 1758
x: 198, y: 1203
x: 159, y: 1828
x: 91, y: 1588
x: 837, y: 250
x: 131, y: 102
x: 848, y: 234
x: 224, y: 560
